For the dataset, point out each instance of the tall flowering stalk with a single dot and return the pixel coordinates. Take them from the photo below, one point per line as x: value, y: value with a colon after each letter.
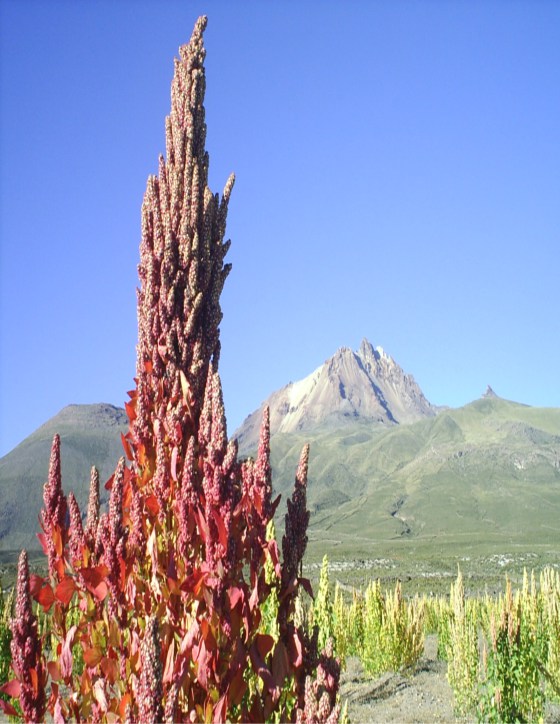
x: 181, y: 264
x: 26, y: 649
x: 156, y: 605
x: 53, y: 516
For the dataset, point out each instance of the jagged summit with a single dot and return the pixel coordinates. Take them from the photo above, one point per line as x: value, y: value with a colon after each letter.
x: 367, y: 384
x: 489, y: 393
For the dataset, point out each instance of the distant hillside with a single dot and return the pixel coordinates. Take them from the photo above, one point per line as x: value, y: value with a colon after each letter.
x: 488, y: 471
x: 90, y: 435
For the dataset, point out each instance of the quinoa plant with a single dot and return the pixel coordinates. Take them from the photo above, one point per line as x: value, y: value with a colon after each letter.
x: 461, y: 643
x: 550, y: 662
x: 6, y: 606
x: 154, y: 608
x: 385, y: 631
x: 511, y: 689
x: 403, y: 633
x: 345, y: 624
x: 323, y: 612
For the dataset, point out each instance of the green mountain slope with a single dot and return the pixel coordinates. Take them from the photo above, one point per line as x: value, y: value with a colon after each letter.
x: 90, y: 435
x: 483, y: 476
x: 487, y: 473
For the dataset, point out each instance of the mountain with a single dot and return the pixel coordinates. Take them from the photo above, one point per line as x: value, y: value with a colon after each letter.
x: 90, y: 435
x: 367, y: 385
x: 486, y: 475
x: 387, y: 469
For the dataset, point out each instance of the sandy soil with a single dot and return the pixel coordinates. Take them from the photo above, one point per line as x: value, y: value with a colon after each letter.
x: 422, y: 696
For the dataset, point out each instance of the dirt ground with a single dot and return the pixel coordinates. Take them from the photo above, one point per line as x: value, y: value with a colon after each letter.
x: 423, y: 696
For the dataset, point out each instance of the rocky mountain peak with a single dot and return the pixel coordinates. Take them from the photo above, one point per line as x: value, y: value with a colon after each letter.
x: 367, y: 384
x: 489, y: 392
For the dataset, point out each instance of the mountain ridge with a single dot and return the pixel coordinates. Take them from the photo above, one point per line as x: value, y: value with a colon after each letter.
x: 385, y: 464
x: 366, y: 384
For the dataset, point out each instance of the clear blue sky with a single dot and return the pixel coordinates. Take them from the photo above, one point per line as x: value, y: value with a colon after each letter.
x: 398, y: 177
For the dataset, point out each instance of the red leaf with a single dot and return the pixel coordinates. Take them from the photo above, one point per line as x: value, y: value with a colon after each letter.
x: 280, y: 664
x: 34, y: 679
x: 235, y: 595
x: 257, y: 500
x: 100, y: 591
x: 203, y: 528
x: 8, y: 709
x: 148, y: 366
x: 125, y: 443
x: 264, y: 643
x: 59, y: 567
x: 56, y: 536
x: 124, y: 702
x: 259, y: 664
x: 169, y: 663
x: 194, y: 582
x: 130, y: 408
x: 306, y: 583
x: 54, y: 670
x: 11, y: 688
x: 208, y: 635
x: 109, y: 667
x: 43, y: 542
x: 173, y: 586
x: 273, y: 553
x: 94, y: 579
x: 35, y: 584
x: 190, y: 638
x: 152, y: 505
x: 254, y: 600
x: 220, y: 710
x: 141, y: 453
x: 66, y: 659
x: 45, y: 597
x: 65, y: 590
x: 298, y: 659
x: 237, y: 688
x: 93, y: 656
x: 202, y: 658
x: 222, y: 533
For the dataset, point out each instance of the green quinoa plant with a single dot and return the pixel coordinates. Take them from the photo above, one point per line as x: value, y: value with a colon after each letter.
x: 323, y: 612
x: 461, y: 649
x: 510, y: 688
x: 6, y: 606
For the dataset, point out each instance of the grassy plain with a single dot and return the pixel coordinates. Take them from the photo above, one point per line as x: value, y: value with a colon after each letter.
x: 478, y: 487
